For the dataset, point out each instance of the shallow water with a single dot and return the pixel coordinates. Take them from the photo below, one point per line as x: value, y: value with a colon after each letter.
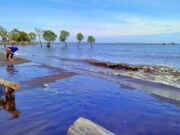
x: 70, y: 58
x: 52, y: 108
x: 132, y: 54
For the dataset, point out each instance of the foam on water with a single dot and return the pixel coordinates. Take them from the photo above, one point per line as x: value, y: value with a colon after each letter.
x: 46, y: 85
x: 22, y: 54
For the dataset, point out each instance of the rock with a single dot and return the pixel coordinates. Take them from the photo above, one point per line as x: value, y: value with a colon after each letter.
x: 86, y: 127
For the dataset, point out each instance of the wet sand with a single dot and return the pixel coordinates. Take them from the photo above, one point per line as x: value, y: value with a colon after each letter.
x: 3, y: 60
x: 43, y: 81
x: 38, y: 81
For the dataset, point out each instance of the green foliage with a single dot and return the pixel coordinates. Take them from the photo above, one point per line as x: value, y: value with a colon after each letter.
x: 23, y: 36
x: 91, y: 40
x: 32, y: 36
x: 4, y: 39
x: 49, y: 36
x: 3, y: 34
x: 64, y: 36
x: 14, y: 35
x: 79, y: 37
x: 18, y: 36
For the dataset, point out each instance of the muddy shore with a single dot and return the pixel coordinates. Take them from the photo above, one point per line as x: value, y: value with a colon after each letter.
x: 39, y: 81
x: 3, y: 60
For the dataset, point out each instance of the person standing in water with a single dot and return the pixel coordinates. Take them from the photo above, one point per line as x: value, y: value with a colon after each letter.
x: 10, y: 52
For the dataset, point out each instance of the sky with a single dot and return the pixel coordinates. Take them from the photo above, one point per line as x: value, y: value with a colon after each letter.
x: 107, y: 20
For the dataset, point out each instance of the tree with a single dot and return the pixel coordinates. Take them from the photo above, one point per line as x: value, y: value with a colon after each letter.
x: 18, y: 36
x: 49, y: 36
x: 14, y: 35
x: 3, y: 35
x: 32, y: 36
x: 22, y: 37
x: 64, y: 36
x: 91, y: 40
x: 79, y: 37
x: 39, y: 33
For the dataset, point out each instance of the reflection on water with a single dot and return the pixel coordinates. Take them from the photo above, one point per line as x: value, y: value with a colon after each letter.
x: 166, y: 100
x: 11, y: 69
x: 9, y: 105
x: 52, y: 110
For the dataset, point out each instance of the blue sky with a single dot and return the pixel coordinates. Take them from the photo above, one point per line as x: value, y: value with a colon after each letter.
x: 107, y: 20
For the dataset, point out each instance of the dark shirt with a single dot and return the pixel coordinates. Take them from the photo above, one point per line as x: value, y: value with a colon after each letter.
x: 13, y: 49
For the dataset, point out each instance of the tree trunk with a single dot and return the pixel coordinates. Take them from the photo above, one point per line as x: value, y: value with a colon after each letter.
x: 4, y: 44
x: 91, y: 44
x: 79, y: 44
x: 40, y: 41
x: 48, y: 44
x: 86, y: 127
x: 65, y: 43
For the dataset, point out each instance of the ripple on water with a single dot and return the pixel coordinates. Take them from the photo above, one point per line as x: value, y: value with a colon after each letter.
x: 119, y: 109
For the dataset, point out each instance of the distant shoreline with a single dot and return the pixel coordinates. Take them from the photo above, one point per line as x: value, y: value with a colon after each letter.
x: 85, y: 43
x: 126, y: 43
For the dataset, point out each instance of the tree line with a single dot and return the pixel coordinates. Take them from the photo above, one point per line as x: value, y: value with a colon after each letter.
x: 49, y: 36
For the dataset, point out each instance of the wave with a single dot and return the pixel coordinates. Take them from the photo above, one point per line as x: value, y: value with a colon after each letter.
x: 125, y: 66
x: 23, y: 54
x: 163, y: 74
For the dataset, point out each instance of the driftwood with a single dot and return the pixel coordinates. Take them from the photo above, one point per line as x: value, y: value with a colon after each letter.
x: 86, y: 127
x: 10, y: 87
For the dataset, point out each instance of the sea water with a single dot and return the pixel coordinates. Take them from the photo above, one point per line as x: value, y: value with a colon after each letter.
x: 51, y: 109
x: 131, y: 54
